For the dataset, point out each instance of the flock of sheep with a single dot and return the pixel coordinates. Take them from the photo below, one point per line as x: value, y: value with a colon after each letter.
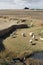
x: 32, y: 35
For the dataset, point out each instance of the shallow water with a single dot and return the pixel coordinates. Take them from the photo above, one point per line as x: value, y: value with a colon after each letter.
x: 38, y: 55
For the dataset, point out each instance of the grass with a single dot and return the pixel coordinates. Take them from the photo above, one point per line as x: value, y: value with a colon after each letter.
x: 20, y: 44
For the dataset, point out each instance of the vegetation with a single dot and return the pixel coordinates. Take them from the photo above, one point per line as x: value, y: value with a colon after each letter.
x: 19, y: 46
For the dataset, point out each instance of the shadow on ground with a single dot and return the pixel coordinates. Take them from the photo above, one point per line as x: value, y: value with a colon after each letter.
x: 7, y: 34
x: 2, y: 47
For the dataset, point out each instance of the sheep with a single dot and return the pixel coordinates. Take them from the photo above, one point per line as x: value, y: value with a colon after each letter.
x: 34, y: 38
x: 41, y: 39
x: 30, y: 41
x: 31, y: 34
x: 23, y: 34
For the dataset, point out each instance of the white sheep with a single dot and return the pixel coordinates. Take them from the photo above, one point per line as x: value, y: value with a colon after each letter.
x: 41, y: 39
x: 31, y: 34
x: 23, y: 34
x: 30, y: 41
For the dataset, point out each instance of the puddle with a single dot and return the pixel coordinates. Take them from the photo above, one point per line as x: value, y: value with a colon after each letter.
x: 38, y: 55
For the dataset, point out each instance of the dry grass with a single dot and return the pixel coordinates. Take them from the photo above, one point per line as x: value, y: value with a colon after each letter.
x: 20, y: 46
x: 33, y: 62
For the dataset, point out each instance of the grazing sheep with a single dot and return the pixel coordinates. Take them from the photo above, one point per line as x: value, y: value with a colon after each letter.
x: 23, y: 34
x: 30, y: 41
x: 33, y: 43
x: 41, y: 39
x: 34, y: 38
x: 31, y: 34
